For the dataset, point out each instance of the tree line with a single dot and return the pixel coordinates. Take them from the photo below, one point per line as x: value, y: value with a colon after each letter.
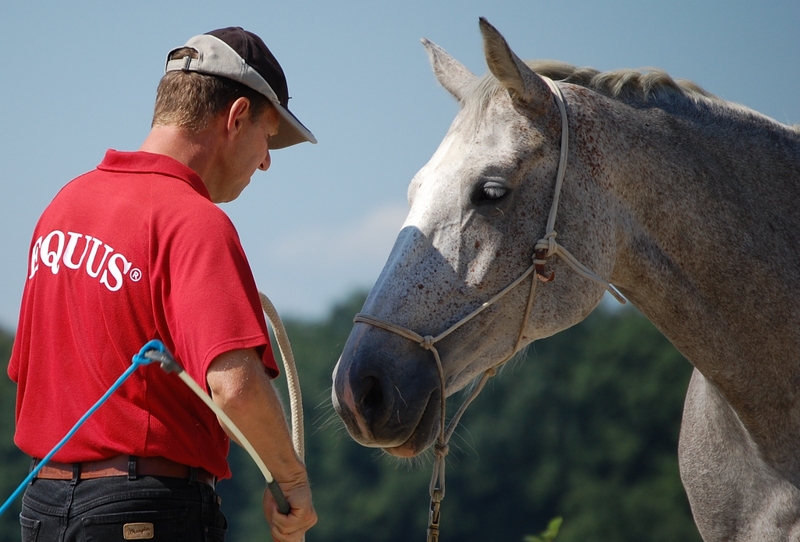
x: 584, y: 426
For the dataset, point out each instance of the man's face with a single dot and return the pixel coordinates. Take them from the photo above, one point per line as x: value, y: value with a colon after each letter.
x: 250, y: 152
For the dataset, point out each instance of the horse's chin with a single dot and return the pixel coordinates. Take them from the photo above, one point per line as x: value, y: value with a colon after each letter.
x: 423, y: 435
x: 402, y: 451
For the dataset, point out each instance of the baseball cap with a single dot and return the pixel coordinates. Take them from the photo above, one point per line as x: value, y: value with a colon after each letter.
x: 242, y: 56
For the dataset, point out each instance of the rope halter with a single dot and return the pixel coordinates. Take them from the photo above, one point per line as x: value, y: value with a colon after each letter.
x: 545, y: 247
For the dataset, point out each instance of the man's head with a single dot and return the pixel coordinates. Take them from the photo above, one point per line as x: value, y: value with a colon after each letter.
x: 205, y: 76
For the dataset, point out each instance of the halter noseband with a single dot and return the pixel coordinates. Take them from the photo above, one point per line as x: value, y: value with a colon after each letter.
x: 545, y: 247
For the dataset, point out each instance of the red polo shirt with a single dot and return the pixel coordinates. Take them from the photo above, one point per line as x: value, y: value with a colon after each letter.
x: 132, y: 251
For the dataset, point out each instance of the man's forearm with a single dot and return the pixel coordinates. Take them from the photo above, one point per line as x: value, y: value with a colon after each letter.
x: 241, y: 387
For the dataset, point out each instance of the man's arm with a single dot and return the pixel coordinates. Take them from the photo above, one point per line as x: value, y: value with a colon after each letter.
x: 240, y: 386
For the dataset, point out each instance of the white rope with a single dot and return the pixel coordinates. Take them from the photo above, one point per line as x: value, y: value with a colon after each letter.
x: 563, y: 154
x: 292, y: 378
x: 169, y: 365
x: 544, y: 248
x: 548, y: 246
x: 195, y: 387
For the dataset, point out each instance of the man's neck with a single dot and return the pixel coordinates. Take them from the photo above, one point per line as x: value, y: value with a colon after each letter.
x: 193, y: 150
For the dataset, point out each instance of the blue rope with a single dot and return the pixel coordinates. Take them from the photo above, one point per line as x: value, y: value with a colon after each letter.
x: 138, y: 359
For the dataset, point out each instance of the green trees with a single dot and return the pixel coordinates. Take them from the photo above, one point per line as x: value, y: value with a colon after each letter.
x: 13, y: 464
x: 583, y: 426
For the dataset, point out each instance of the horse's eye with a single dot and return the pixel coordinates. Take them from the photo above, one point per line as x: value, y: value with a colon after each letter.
x: 489, y: 191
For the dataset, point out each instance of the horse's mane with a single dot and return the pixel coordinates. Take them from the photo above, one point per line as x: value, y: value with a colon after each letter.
x: 645, y: 87
x: 642, y: 85
x: 649, y: 86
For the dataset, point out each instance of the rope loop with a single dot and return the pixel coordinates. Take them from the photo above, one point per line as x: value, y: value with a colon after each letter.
x: 441, y: 449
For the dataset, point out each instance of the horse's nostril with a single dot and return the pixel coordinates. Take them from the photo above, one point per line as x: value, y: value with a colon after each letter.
x: 372, y: 397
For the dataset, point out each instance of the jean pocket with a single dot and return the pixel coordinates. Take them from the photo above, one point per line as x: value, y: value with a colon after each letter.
x: 216, y: 531
x: 156, y: 526
x: 215, y: 534
x: 30, y: 528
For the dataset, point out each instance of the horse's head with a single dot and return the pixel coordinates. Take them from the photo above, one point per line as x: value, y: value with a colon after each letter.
x: 477, y: 210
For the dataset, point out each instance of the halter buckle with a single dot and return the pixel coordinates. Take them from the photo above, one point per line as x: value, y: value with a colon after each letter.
x: 433, y: 524
x: 540, y: 258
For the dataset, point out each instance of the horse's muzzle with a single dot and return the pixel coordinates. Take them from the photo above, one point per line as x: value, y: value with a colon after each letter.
x: 387, y: 401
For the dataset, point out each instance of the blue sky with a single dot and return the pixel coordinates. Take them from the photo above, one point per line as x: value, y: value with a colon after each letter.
x: 79, y: 77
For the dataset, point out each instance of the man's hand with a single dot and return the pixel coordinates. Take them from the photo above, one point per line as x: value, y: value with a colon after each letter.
x: 301, y: 517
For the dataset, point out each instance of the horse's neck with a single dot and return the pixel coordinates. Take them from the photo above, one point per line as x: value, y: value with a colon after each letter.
x: 712, y: 250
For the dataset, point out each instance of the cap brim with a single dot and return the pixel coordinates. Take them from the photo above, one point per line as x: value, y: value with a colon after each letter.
x: 291, y: 131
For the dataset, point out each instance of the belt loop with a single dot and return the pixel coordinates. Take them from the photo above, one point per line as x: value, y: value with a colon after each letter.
x: 192, y: 475
x: 132, y: 467
x: 34, y: 462
x: 76, y: 474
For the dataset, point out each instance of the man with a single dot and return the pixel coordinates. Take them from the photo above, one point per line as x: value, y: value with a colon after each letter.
x: 136, y: 250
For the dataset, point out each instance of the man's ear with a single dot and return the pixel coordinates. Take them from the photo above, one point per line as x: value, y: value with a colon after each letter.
x: 238, y: 112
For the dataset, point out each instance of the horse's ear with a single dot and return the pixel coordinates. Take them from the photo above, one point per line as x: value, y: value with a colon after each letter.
x: 450, y: 73
x: 522, y: 83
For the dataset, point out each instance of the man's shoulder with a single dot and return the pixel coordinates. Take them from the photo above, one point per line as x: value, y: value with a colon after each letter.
x: 166, y: 202
x: 192, y: 216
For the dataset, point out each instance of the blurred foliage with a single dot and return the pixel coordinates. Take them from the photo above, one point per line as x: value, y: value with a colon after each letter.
x: 583, y: 426
x: 13, y: 463
x: 549, y: 534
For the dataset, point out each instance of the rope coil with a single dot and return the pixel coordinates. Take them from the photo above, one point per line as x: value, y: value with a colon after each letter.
x: 292, y: 378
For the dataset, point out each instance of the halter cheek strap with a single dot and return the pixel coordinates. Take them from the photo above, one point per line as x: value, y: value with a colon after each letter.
x: 548, y: 246
x: 545, y: 247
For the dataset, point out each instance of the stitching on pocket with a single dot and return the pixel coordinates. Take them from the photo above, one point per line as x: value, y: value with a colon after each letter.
x: 30, y: 528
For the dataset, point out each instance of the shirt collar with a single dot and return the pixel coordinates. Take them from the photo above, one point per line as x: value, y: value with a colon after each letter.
x: 147, y: 162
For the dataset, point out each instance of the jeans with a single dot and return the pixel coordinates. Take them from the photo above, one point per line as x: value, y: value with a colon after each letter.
x: 118, y: 509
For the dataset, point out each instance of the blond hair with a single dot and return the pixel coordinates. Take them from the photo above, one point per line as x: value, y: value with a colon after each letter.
x: 191, y: 100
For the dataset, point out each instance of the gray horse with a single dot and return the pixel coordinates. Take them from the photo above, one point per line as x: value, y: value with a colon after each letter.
x: 682, y: 201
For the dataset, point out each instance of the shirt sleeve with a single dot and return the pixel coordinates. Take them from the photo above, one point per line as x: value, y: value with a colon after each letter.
x: 205, y: 288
